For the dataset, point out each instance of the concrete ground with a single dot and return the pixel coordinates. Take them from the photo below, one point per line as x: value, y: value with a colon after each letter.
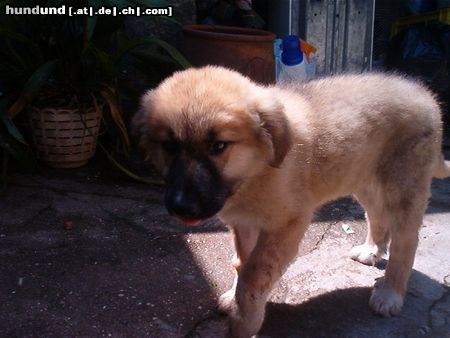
x: 85, y: 254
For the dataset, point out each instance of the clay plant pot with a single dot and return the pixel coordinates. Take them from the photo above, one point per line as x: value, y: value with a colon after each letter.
x: 65, y: 137
x: 249, y: 51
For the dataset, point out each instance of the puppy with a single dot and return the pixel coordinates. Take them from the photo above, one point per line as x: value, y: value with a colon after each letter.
x: 264, y: 158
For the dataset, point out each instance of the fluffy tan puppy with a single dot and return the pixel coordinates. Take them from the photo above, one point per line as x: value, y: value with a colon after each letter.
x: 264, y: 158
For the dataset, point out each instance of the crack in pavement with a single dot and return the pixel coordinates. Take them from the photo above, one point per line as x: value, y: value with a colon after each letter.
x: 322, y: 237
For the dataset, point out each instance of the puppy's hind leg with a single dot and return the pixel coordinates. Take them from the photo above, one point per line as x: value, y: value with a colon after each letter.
x: 405, y: 220
x: 375, y: 246
x: 404, y: 176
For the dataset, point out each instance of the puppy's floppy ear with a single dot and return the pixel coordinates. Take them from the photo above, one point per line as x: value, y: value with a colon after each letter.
x: 140, y: 124
x: 275, y: 127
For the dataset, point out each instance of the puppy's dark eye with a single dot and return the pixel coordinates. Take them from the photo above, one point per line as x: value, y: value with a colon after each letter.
x: 171, y: 146
x: 217, y: 147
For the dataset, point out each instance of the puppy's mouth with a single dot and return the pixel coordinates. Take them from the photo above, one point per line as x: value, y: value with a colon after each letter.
x: 189, y: 222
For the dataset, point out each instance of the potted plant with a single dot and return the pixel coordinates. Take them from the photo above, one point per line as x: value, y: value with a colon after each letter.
x: 64, y: 72
x: 247, y: 50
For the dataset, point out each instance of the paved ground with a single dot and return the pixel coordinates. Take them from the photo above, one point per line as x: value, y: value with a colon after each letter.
x: 87, y: 254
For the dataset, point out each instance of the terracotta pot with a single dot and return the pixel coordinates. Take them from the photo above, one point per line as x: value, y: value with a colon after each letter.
x: 65, y: 137
x: 249, y: 51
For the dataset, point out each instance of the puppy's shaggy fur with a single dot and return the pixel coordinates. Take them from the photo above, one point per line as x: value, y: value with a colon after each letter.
x: 264, y: 158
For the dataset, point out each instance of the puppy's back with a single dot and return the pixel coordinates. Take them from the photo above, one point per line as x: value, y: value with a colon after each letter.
x: 369, y: 102
x: 357, y: 121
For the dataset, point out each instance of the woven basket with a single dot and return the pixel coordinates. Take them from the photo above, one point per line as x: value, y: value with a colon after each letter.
x: 65, y: 138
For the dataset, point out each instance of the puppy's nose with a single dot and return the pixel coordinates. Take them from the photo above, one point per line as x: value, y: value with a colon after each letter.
x: 180, y: 205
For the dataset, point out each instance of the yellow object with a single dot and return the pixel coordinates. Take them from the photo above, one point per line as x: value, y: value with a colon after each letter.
x: 442, y: 15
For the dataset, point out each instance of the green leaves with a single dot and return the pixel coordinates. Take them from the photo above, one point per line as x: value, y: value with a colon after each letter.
x: 20, y: 53
x: 39, y: 77
x: 110, y: 97
x: 89, y: 29
x: 172, y: 51
x: 75, y: 57
x: 12, y: 143
x: 33, y: 86
x: 11, y: 128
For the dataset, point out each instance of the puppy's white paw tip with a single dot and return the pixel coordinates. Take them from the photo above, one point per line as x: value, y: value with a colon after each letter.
x: 386, y: 301
x: 366, y: 254
x: 226, y: 302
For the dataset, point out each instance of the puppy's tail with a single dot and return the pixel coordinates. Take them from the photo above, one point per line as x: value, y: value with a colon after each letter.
x: 442, y: 169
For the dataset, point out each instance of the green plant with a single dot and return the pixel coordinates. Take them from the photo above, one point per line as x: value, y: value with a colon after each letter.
x: 52, y: 58
x: 12, y: 145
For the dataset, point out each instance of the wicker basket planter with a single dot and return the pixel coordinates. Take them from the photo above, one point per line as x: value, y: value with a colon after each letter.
x: 65, y: 137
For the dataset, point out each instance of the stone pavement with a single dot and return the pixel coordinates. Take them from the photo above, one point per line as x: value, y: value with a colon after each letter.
x: 84, y: 254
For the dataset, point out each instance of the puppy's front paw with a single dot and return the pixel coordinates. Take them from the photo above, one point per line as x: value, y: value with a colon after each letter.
x: 366, y: 254
x: 242, y: 323
x: 385, y: 300
x: 226, y: 302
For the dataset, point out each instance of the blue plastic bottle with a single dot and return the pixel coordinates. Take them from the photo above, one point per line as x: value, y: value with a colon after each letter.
x: 293, y: 67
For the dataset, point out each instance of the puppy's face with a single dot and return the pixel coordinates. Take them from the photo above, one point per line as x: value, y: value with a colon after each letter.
x: 207, y: 131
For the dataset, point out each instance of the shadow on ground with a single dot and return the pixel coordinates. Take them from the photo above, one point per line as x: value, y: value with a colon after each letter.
x: 345, y: 313
x: 85, y: 256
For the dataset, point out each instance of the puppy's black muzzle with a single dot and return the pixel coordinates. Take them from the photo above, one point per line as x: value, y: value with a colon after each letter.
x: 195, y: 190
